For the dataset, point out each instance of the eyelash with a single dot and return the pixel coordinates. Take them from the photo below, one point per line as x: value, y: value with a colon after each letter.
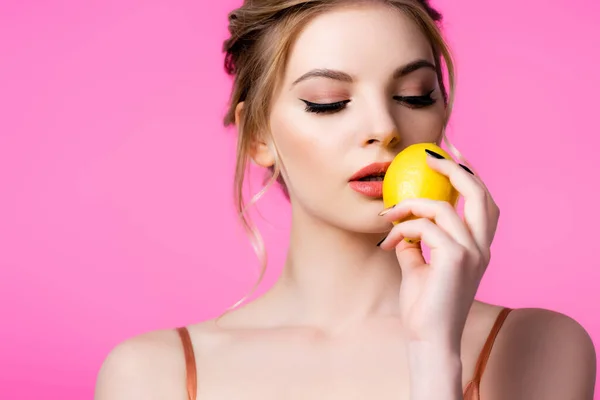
x: 320, y: 108
x: 410, y: 101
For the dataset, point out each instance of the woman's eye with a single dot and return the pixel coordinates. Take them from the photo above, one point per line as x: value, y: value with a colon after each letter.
x: 329, y: 108
x: 322, y: 108
x: 417, y: 101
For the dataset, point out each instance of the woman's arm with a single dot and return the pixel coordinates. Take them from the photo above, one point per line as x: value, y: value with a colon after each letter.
x: 436, y: 295
x: 435, y: 372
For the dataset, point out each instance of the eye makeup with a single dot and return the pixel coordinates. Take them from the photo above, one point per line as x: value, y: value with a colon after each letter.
x: 320, y: 108
x: 417, y: 101
x: 420, y: 101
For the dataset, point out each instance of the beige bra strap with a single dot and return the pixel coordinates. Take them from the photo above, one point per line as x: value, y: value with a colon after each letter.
x: 472, y: 389
x: 190, y: 362
x: 489, y: 344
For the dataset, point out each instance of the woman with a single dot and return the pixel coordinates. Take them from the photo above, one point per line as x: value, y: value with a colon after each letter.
x: 323, y: 89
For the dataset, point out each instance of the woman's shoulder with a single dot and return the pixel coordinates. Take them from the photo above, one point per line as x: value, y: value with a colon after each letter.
x: 147, y: 366
x: 541, y: 352
x: 546, y: 330
x: 150, y: 365
x: 525, y: 323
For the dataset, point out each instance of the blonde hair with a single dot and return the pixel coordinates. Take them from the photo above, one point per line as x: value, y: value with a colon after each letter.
x: 261, y: 34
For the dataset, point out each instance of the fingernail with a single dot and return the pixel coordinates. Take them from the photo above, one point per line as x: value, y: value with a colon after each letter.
x: 381, y: 241
x: 434, y: 154
x: 387, y: 210
x: 466, y: 169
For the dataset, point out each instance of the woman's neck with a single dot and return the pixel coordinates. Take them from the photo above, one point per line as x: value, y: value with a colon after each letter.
x: 333, y: 277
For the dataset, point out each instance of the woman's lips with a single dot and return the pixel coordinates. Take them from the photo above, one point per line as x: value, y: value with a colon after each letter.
x: 376, y: 168
x: 368, y: 188
x: 368, y: 181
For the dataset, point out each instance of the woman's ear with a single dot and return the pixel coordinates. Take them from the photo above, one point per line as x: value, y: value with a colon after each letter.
x: 238, y: 113
x: 261, y: 153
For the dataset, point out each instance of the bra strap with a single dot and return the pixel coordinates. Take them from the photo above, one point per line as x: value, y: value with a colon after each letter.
x: 489, y: 344
x: 190, y: 362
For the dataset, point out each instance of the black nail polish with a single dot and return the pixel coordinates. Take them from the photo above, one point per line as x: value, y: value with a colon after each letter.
x: 434, y: 154
x: 381, y: 241
x: 466, y: 169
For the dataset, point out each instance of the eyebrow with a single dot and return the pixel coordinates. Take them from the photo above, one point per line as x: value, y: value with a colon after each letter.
x: 344, y: 77
x: 412, y: 67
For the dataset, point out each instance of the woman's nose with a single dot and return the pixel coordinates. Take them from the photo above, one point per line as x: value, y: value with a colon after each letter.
x: 383, y: 131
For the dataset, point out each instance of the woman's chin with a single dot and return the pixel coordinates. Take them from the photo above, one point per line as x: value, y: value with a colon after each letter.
x: 373, y: 227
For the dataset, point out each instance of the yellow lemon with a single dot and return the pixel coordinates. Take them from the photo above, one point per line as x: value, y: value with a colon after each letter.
x: 409, y: 176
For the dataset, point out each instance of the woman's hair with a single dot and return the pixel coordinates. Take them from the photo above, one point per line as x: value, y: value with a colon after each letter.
x: 262, y: 32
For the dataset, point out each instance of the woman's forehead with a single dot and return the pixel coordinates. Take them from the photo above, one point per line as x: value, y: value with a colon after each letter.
x: 362, y: 41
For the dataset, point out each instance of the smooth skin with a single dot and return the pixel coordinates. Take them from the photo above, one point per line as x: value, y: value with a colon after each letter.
x: 348, y: 319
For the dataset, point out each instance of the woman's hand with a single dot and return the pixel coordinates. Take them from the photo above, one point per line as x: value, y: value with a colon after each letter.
x: 435, y: 298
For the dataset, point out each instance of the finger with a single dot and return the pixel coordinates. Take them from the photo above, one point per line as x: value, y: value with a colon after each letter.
x: 441, y: 212
x: 409, y: 254
x: 491, y: 204
x: 480, y: 222
x: 424, y: 230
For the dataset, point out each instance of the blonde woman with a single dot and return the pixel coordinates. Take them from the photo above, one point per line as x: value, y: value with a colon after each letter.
x: 325, y: 94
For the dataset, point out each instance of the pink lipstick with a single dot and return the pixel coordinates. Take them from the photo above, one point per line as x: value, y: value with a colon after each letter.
x: 368, y: 181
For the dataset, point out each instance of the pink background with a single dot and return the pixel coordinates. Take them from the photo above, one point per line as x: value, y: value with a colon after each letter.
x: 115, y: 210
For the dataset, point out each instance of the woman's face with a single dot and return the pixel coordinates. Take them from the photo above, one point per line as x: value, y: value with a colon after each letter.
x: 359, y: 87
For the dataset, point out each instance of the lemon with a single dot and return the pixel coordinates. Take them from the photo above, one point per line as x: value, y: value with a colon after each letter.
x: 409, y: 176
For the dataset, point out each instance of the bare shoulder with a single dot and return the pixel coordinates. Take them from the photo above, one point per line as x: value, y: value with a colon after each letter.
x: 148, y: 366
x: 541, y: 354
